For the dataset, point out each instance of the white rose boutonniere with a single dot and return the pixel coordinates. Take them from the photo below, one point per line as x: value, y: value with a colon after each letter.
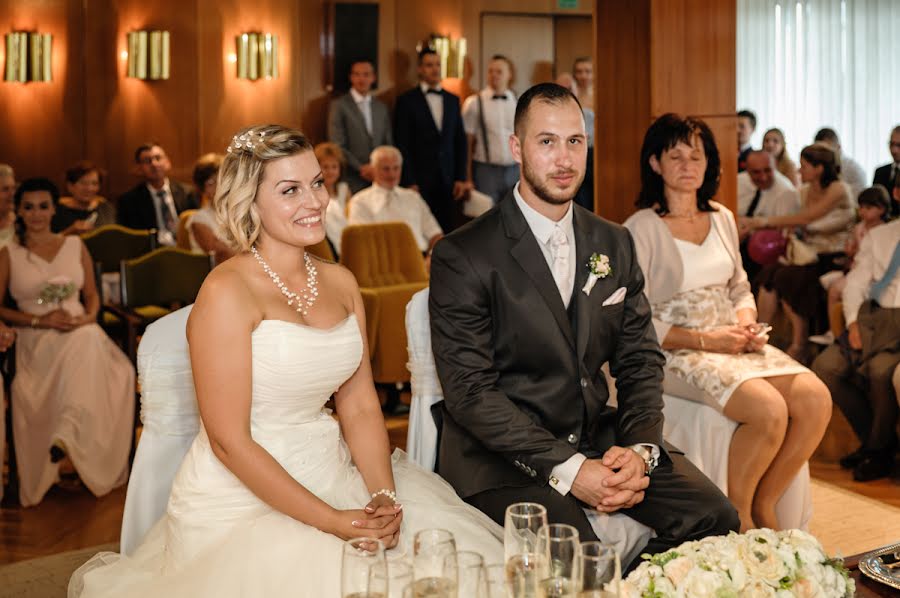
x: 600, y: 268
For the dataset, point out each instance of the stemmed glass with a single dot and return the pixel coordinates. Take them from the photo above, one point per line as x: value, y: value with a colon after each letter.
x: 600, y: 570
x: 560, y: 577
x: 435, y: 569
x: 363, y: 569
x: 523, y: 561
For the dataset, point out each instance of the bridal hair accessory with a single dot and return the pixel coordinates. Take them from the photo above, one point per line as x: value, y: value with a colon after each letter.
x: 600, y: 268
x: 245, y: 141
x: 386, y: 492
x: 305, y: 298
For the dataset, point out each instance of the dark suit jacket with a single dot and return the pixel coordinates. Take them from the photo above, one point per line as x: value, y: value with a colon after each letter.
x: 135, y: 206
x: 347, y: 128
x: 430, y: 157
x: 523, y: 392
x: 883, y: 177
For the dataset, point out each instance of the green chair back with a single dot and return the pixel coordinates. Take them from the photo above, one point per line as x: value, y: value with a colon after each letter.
x: 164, y: 277
x: 110, y: 244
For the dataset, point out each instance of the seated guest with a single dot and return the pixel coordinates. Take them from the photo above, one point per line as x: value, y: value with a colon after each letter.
x: 205, y: 233
x: 825, y: 221
x: 859, y: 369
x: 331, y: 161
x: 157, y: 201
x: 763, y: 191
x: 705, y: 319
x: 7, y: 211
x: 73, y: 393
x: 851, y: 171
x: 83, y: 209
x: 888, y: 175
x: 746, y: 126
x: 386, y: 201
x: 773, y: 142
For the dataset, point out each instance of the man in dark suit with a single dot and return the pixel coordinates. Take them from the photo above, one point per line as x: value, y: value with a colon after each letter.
x: 520, y: 331
x: 157, y: 201
x: 359, y: 122
x: 746, y: 127
x: 428, y: 131
x: 887, y: 175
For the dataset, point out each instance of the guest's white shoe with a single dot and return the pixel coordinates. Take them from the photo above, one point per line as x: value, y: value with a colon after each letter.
x: 823, y: 339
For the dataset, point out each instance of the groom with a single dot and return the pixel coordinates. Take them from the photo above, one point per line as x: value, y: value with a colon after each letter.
x: 520, y: 332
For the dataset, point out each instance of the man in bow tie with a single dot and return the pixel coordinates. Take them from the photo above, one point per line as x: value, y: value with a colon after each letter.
x: 428, y: 131
x: 519, y: 338
x: 488, y: 117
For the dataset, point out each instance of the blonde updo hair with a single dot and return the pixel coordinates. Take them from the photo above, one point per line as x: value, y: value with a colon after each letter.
x: 241, y: 173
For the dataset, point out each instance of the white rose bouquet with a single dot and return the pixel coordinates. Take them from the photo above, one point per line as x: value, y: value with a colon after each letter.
x: 56, y: 290
x: 758, y: 563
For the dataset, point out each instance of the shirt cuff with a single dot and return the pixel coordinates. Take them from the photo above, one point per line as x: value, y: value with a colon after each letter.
x: 563, y: 475
x: 654, y: 450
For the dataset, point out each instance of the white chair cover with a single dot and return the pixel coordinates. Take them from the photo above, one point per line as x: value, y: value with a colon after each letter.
x: 628, y: 535
x: 171, y: 421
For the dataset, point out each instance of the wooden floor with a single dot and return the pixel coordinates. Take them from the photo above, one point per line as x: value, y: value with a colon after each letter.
x: 73, y: 520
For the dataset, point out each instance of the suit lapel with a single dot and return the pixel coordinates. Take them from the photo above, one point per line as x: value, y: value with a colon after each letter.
x: 583, y: 251
x: 445, y: 99
x: 527, y: 253
x: 424, y: 106
x: 356, y: 111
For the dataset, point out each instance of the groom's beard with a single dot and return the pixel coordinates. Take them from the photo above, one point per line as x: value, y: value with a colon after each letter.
x: 542, y: 189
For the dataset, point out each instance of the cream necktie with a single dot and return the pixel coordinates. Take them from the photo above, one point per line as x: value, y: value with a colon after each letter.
x: 559, y: 251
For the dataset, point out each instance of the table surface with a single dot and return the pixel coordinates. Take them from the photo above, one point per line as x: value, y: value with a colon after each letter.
x: 866, y: 587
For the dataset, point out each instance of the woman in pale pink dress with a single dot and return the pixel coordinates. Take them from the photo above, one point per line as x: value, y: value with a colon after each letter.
x: 73, y: 391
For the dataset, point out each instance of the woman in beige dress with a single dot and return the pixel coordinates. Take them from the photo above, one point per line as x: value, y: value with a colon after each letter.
x: 205, y: 234
x: 705, y: 319
x: 73, y: 392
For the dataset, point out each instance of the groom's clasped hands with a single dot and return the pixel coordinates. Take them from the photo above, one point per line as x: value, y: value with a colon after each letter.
x: 616, y: 481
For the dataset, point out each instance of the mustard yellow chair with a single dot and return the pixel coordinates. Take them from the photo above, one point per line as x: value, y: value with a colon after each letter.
x: 390, y: 269
x: 182, y: 234
x: 323, y: 250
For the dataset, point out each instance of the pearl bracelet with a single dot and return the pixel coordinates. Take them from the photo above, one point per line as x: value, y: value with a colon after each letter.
x: 386, y: 492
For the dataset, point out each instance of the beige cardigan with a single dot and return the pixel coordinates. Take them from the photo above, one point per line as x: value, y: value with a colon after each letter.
x: 663, y: 270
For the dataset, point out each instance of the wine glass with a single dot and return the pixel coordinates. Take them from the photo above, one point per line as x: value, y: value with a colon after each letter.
x: 363, y: 569
x: 600, y: 570
x: 399, y: 576
x: 435, y: 570
x: 523, y: 562
x: 560, y: 577
x: 471, y: 574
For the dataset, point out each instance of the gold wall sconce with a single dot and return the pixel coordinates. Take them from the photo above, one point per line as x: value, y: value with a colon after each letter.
x: 148, y: 55
x: 29, y: 56
x: 452, y: 53
x: 257, y: 56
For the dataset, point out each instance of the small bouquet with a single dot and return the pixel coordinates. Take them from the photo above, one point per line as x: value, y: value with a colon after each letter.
x: 599, y: 267
x: 56, y: 290
x: 758, y: 563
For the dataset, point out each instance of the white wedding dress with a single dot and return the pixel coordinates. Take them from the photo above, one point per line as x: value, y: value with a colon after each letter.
x: 219, y: 540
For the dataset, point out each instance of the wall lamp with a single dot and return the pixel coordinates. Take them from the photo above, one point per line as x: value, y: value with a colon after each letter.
x: 28, y: 56
x: 148, y: 55
x: 452, y: 53
x: 257, y: 56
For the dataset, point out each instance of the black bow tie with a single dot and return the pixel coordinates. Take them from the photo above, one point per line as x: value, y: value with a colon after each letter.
x: 432, y: 90
x: 499, y: 97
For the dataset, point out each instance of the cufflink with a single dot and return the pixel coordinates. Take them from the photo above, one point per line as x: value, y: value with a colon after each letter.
x: 554, y: 481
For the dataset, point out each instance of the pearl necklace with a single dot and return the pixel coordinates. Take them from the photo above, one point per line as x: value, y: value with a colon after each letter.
x: 305, y: 298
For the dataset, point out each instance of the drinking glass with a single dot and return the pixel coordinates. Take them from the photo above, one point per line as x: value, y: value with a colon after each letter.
x: 472, y: 576
x: 523, y: 562
x: 496, y: 579
x: 559, y: 544
x: 435, y: 571
x: 399, y: 576
x: 600, y: 570
x: 361, y: 562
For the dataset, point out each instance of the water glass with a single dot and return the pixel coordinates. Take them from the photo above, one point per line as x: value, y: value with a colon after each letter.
x: 471, y: 574
x: 520, y: 528
x: 363, y: 569
x: 560, y: 545
x: 600, y: 570
x: 435, y: 570
x: 496, y: 581
x: 399, y: 573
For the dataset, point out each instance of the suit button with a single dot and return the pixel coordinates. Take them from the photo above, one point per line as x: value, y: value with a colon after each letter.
x: 584, y: 383
x: 572, y: 439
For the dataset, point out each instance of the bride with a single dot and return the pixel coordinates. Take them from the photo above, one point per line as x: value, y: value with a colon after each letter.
x: 272, y: 484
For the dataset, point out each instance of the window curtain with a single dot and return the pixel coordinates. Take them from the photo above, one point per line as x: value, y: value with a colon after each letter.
x: 807, y: 64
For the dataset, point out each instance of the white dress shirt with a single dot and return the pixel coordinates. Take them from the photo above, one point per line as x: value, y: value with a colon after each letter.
x: 163, y: 234
x: 336, y: 215
x: 781, y: 199
x: 377, y: 204
x: 364, y: 103
x: 498, y: 121
x: 854, y: 175
x: 435, y: 103
x: 869, y: 266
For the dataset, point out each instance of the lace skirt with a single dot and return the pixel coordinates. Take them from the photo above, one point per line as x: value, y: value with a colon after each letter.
x: 708, y: 377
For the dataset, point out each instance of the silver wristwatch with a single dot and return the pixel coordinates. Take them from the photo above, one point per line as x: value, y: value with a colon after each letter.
x: 650, y: 460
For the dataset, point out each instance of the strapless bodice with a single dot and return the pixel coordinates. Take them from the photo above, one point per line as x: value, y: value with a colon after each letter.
x: 296, y: 369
